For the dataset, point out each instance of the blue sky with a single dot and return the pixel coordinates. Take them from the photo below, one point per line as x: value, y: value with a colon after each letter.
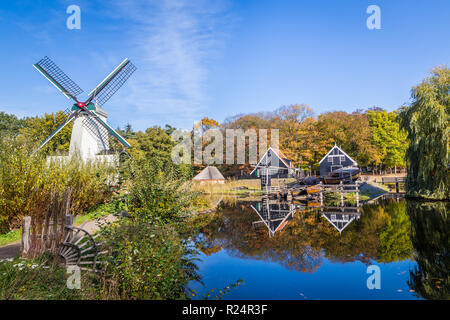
x: 218, y: 58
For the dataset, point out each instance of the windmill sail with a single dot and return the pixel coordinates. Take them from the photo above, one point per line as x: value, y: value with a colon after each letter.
x: 109, y: 86
x: 58, y: 78
x: 97, y: 130
x: 65, y: 123
x: 113, y: 132
x: 92, y: 117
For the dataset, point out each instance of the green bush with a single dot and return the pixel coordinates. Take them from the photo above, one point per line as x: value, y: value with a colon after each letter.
x: 148, y: 256
x: 160, y: 192
x: 147, y: 261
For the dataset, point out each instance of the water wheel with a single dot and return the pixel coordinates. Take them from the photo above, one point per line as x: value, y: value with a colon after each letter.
x: 81, y: 249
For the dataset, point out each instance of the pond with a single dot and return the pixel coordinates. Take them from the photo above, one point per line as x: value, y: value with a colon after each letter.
x: 285, y: 250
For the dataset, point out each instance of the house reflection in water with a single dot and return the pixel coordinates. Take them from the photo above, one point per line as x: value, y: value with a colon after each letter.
x: 273, y: 214
x: 340, y: 217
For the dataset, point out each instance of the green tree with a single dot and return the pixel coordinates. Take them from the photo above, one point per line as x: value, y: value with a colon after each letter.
x: 10, y: 124
x: 39, y: 128
x: 388, y: 137
x: 27, y: 180
x: 426, y: 121
x: 153, y: 143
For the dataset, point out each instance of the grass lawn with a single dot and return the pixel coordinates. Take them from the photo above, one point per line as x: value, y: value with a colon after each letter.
x: 10, y: 237
x: 237, y: 187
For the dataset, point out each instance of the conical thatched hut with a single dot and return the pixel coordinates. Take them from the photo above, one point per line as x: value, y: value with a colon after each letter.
x: 210, y: 175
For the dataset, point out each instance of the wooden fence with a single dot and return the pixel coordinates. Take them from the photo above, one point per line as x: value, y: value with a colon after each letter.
x: 46, y: 229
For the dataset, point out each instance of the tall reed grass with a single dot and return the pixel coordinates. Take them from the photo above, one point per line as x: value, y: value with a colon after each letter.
x: 28, y: 179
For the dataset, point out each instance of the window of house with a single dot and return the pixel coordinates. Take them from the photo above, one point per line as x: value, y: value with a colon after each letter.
x: 330, y: 159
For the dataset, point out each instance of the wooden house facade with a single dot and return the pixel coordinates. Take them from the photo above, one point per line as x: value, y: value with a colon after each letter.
x: 276, y: 163
x: 335, y: 159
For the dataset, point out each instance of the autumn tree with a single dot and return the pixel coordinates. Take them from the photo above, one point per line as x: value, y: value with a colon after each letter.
x: 312, y: 144
x: 352, y: 132
x: 289, y: 120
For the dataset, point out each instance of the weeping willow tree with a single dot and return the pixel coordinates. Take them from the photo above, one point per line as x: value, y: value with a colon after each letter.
x: 426, y: 121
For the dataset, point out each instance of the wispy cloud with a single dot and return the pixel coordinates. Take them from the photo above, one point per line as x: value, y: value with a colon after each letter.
x: 175, y: 42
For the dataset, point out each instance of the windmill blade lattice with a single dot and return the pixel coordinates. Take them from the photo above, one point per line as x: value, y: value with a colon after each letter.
x: 69, y: 118
x: 104, y: 94
x: 96, y: 128
x: 57, y: 75
x: 97, y: 97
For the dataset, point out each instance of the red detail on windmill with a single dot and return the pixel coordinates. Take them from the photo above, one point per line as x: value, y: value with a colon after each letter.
x: 81, y: 105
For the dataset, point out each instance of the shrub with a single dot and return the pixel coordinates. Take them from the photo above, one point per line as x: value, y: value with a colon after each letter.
x: 148, y: 256
x: 160, y: 192
x: 147, y: 261
x: 26, y: 176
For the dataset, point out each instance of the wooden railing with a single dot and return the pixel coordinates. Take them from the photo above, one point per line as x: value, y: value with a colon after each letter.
x: 396, y: 180
x: 385, y: 180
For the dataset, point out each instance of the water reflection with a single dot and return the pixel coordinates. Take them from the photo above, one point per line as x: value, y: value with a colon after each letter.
x: 340, y: 217
x: 273, y: 214
x: 430, y: 237
x: 302, y: 238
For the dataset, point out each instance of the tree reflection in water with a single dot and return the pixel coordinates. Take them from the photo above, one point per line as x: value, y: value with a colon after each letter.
x: 381, y: 233
x: 300, y: 238
x: 430, y: 237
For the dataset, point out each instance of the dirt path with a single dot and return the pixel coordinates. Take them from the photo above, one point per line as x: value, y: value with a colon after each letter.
x: 10, y: 250
x: 13, y: 249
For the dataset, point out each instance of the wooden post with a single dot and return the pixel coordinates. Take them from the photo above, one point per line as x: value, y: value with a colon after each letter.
x: 321, y: 193
x: 25, y: 243
x: 341, y: 188
x: 68, y: 220
x: 357, y: 193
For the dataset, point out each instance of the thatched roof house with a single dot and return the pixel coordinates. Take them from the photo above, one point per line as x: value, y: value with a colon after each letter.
x: 210, y: 175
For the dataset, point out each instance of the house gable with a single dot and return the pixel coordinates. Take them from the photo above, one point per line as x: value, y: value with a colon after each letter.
x: 335, y: 159
x: 283, y: 160
x: 340, y: 151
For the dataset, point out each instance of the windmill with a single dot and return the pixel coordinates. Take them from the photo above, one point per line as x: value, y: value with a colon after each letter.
x: 90, y: 131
